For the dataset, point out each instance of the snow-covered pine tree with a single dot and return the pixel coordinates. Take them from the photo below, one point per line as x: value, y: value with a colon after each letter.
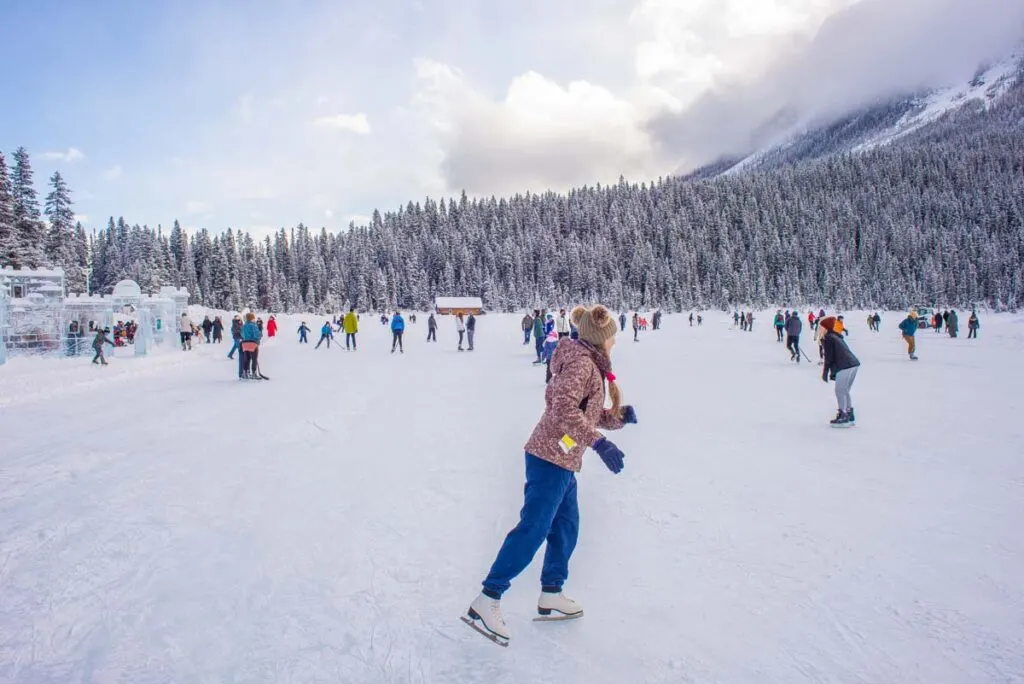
x: 60, y: 242
x: 8, y: 235
x: 28, y: 228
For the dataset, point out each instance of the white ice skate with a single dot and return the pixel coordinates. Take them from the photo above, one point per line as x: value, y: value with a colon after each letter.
x: 552, y: 607
x: 484, y: 616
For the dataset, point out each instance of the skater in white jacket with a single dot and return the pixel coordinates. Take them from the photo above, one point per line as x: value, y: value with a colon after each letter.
x: 185, y: 331
x: 562, y: 326
x: 460, y: 326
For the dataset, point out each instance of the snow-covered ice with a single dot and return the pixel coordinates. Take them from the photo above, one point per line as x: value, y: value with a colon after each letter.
x: 162, y: 522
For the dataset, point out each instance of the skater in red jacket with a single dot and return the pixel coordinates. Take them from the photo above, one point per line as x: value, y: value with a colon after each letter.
x: 271, y: 327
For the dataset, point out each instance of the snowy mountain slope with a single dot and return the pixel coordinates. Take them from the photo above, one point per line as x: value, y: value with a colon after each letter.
x: 879, y: 124
x: 330, y: 525
x: 984, y: 90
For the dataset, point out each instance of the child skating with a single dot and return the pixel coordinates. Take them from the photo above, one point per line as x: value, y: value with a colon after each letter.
x: 574, y: 410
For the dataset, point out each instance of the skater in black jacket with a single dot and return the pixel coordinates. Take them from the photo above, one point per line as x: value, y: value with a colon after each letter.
x: 840, y: 365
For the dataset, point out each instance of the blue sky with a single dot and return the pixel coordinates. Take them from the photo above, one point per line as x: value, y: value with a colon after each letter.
x: 262, y: 113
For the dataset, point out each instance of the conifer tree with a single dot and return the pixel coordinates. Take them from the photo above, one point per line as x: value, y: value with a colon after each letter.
x: 28, y: 228
x: 9, y: 255
x: 60, y: 243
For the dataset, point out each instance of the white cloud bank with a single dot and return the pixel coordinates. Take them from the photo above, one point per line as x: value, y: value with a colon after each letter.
x: 710, y: 76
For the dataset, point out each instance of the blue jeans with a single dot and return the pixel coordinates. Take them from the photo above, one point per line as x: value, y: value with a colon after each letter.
x: 550, y: 512
x: 236, y: 347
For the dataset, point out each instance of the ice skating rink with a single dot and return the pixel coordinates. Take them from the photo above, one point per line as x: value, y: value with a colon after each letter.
x: 161, y: 521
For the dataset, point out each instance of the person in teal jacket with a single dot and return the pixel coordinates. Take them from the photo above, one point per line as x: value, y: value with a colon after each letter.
x: 909, y: 328
x: 538, y: 335
x: 326, y: 333
x: 250, y: 346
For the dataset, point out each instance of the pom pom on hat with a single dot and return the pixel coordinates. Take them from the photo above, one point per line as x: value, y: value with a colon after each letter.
x: 595, y: 325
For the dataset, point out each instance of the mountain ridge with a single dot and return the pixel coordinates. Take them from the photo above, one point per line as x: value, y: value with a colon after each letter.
x: 877, y: 125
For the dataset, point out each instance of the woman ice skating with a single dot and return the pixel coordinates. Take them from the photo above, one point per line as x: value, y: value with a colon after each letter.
x: 460, y: 327
x: 840, y: 365
x: 573, y: 413
x: 252, y: 334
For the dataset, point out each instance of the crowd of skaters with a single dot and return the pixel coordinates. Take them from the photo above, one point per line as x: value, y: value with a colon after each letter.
x: 465, y: 327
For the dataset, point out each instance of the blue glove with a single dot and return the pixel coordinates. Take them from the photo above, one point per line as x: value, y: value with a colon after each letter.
x: 610, y: 454
x: 628, y: 414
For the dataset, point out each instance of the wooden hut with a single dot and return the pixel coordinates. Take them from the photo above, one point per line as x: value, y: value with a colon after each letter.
x: 459, y: 305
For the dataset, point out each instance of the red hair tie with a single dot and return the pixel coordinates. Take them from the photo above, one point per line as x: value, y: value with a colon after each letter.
x: 610, y: 376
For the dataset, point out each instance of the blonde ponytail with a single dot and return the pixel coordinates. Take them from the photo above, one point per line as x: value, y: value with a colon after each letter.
x: 616, y: 395
x: 613, y: 388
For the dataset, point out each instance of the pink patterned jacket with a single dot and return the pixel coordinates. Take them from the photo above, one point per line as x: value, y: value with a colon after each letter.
x: 574, y: 408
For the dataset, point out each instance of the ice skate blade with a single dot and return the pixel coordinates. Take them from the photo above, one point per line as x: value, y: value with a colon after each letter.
x: 500, y: 641
x: 558, y: 617
x: 843, y: 426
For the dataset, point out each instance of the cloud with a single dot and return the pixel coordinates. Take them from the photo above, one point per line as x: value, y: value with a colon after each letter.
x: 72, y: 155
x: 113, y: 173
x: 353, y: 123
x: 329, y: 214
x: 710, y: 78
x: 539, y: 136
x: 863, y: 54
x: 193, y: 207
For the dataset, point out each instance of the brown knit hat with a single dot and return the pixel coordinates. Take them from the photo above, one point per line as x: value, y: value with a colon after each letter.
x: 595, y: 324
